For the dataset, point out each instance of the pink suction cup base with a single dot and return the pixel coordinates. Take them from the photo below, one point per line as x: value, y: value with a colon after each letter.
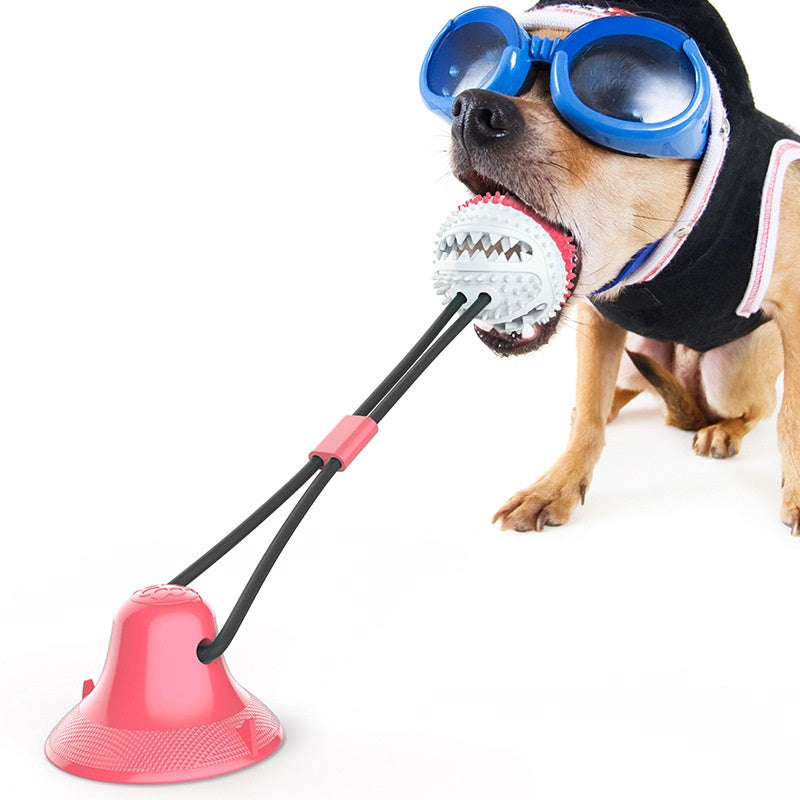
x: 158, y: 714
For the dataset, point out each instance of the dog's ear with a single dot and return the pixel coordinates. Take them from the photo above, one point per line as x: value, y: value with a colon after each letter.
x: 700, y: 20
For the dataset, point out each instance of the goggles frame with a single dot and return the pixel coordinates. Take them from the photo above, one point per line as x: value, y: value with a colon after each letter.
x: 682, y: 136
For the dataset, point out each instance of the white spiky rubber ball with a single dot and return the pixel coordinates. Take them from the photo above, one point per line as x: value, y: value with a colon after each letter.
x: 496, y: 245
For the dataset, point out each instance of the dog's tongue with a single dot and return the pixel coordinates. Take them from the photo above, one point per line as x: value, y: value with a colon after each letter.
x: 496, y: 244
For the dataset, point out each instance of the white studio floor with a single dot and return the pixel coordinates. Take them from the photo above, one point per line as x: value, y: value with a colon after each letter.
x: 197, y: 286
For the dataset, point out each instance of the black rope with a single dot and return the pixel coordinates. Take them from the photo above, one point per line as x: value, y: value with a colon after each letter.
x: 216, y: 648
x: 428, y: 357
x: 245, y: 528
x: 413, y: 354
x: 376, y: 406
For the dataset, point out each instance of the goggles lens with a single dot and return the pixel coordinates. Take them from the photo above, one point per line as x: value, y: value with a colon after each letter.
x: 466, y: 58
x: 633, y: 78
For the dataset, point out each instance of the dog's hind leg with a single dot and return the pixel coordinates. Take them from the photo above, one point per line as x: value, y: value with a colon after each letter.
x: 738, y: 384
x: 553, y: 498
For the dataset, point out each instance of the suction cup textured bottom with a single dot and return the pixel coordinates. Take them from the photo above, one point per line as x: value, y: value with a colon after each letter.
x: 158, y: 714
x: 102, y: 753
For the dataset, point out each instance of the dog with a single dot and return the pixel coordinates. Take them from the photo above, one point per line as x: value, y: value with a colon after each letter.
x: 615, y: 205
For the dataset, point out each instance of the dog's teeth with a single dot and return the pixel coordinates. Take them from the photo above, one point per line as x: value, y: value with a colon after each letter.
x: 514, y: 258
x: 493, y: 256
x: 494, y: 238
x: 464, y: 257
x: 505, y: 243
x: 451, y: 240
x: 527, y: 331
x: 461, y: 237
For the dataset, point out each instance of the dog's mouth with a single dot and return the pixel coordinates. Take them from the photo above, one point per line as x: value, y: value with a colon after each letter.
x: 529, y: 332
x: 517, y: 343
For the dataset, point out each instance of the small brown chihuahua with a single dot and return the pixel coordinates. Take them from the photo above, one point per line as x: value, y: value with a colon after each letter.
x: 743, y: 231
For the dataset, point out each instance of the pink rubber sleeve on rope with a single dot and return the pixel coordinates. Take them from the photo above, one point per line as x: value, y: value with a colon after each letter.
x: 346, y: 440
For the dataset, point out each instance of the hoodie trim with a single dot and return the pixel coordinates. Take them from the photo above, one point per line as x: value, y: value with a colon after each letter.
x: 567, y: 16
x: 784, y: 153
x: 699, y: 195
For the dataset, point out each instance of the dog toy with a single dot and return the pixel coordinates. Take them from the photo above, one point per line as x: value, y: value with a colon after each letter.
x: 498, y: 242
x: 165, y: 708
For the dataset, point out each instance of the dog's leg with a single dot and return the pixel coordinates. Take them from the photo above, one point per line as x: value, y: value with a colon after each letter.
x: 789, y: 422
x: 552, y: 499
x: 788, y: 318
x: 782, y: 303
x: 738, y: 384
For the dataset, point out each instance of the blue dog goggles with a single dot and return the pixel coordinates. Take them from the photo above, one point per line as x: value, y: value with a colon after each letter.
x: 629, y: 83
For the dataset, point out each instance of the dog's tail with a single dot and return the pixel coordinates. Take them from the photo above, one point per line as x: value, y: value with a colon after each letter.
x: 683, y: 410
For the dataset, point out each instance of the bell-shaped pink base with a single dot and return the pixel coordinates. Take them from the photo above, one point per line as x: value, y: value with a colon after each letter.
x: 158, y: 714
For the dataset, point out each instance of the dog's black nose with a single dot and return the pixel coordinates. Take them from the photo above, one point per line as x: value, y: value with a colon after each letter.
x: 481, y: 117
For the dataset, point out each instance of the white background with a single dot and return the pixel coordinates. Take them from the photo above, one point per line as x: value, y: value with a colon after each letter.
x: 216, y: 231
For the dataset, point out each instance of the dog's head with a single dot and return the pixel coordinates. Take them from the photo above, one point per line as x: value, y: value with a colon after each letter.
x: 611, y: 203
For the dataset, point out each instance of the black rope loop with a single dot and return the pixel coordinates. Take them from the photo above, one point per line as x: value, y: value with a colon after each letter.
x: 376, y: 406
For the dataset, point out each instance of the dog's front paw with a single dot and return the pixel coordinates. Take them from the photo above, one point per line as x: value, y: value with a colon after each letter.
x: 549, y: 501
x: 790, y: 509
